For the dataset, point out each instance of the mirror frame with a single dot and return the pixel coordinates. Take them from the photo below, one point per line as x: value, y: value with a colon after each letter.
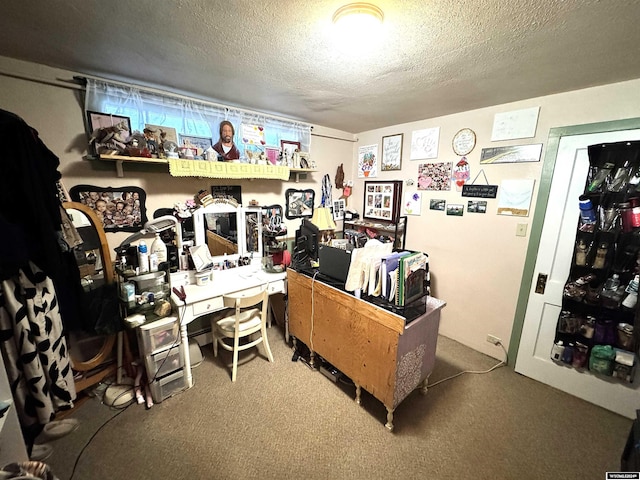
x: 109, y: 276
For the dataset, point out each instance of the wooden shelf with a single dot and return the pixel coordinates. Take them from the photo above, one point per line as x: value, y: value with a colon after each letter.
x: 120, y: 159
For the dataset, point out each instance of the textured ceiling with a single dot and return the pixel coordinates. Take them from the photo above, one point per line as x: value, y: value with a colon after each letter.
x: 432, y: 58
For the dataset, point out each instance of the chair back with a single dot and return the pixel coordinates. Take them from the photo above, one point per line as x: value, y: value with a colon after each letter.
x: 239, y: 302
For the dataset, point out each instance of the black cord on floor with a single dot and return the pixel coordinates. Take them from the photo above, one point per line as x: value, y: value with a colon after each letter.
x: 73, y: 471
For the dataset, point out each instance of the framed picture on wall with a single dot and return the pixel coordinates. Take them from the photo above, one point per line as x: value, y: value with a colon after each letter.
x: 338, y: 209
x: 392, y: 152
x: 382, y: 200
x: 99, y: 120
x: 121, y: 209
x: 299, y: 203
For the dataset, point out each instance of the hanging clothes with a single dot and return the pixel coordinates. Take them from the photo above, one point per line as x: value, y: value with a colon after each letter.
x: 35, y: 291
x: 31, y: 332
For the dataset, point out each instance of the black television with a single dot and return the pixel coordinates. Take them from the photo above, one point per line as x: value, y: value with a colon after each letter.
x: 305, y: 250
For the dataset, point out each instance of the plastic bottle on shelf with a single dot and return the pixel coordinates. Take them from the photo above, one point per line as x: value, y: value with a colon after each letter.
x: 159, y: 248
x: 557, y: 350
x: 601, y: 256
x: 587, y: 212
x: 143, y: 257
x: 611, y: 292
x: 630, y: 301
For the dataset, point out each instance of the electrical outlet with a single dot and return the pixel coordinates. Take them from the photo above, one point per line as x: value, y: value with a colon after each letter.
x: 493, y: 339
x: 521, y: 230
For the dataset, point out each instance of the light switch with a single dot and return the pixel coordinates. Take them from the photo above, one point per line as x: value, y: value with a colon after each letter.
x: 521, y: 230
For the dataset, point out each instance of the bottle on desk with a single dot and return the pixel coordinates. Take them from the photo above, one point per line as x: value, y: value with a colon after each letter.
x: 143, y: 257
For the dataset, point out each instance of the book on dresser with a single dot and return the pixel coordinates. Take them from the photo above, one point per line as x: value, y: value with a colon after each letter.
x: 411, y: 276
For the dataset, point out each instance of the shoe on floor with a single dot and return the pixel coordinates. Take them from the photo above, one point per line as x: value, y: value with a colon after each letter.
x: 41, y: 452
x: 57, y: 429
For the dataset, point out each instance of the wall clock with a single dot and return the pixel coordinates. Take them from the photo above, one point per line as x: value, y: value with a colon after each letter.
x: 464, y: 141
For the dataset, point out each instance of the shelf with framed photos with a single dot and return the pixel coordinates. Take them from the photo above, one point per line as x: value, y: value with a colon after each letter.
x: 359, y: 230
x: 222, y: 169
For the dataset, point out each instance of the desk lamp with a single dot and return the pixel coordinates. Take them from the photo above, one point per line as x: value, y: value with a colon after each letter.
x: 323, y: 219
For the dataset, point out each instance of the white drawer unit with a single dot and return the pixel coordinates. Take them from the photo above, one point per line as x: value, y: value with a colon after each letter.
x: 164, y: 362
x: 158, y: 335
x: 167, y: 386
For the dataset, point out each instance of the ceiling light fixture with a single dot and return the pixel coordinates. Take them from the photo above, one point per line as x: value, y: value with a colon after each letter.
x: 358, y: 12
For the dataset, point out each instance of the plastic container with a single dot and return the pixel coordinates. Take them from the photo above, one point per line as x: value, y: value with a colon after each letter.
x: 601, y: 359
x: 159, y: 248
x: 587, y: 212
x: 556, y: 351
x: 143, y: 257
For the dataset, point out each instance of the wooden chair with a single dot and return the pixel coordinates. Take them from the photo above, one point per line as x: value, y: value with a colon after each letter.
x: 243, y: 321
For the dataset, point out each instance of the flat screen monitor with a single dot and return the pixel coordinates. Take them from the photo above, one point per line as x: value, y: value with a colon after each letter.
x: 306, y: 245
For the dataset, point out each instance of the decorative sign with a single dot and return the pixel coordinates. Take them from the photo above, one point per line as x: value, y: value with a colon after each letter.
x: 424, y: 143
x: 513, y: 154
x: 367, y: 161
x: 253, y: 134
x: 464, y: 141
x: 480, y: 191
x: 515, y: 124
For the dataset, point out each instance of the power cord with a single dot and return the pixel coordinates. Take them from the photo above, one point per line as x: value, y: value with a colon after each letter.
x: 75, y: 465
x: 497, y: 365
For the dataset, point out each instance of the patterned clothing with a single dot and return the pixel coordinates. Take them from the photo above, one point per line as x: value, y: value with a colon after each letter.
x: 34, y: 347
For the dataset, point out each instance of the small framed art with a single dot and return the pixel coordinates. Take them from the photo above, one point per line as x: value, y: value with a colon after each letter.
x: 200, y: 143
x: 288, y: 150
x: 105, y: 120
x: 392, y: 152
x: 338, y: 209
x: 382, y: 200
x: 299, y: 203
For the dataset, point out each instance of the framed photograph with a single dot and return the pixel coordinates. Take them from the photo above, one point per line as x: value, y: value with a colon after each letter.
x: 200, y: 143
x: 273, y: 155
x: 392, y: 152
x: 121, y: 209
x: 382, y: 200
x: 105, y: 120
x: 338, y: 209
x: 437, y: 204
x: 455, y: 210
x: 170, y: 134
x: 288, y: 150
x: 299, y: 203
x: 272, y: 221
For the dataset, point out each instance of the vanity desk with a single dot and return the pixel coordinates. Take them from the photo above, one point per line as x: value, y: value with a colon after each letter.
x: 206, y: 299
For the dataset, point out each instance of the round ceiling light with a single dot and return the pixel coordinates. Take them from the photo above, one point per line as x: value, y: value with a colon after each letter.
x: 358, y: 12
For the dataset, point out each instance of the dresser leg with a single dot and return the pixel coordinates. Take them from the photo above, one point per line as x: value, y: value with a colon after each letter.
x: 358, y: 392
x: 389, y: 423
x: 312, y: 359
x: 424, y: 386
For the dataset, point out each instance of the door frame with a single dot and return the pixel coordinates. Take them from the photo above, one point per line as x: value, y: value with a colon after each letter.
x: 542, y: 200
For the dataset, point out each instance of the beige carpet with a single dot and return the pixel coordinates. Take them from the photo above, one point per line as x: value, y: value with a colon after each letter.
x: 284, y: 421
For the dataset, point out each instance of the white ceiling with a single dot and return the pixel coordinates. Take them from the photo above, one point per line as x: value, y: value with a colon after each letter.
x: 434, y: 57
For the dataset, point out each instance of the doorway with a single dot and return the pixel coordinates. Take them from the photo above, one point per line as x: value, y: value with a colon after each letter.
x: 549, y: 253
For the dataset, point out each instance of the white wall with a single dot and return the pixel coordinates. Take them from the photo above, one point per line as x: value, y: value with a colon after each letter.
x: 57, y: 113
x: 477, y: 260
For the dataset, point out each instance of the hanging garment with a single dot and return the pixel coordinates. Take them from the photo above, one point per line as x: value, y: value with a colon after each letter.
x: 34, y: 347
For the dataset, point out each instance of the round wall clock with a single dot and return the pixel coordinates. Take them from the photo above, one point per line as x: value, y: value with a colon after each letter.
x: 464, y: 141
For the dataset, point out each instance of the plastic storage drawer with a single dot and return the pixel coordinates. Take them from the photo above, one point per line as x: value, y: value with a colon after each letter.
x: 160, y: 334
x: 168, y: 386
x: 164, y: 362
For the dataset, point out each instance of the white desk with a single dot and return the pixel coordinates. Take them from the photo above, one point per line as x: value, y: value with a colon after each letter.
x: 208, y: 299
